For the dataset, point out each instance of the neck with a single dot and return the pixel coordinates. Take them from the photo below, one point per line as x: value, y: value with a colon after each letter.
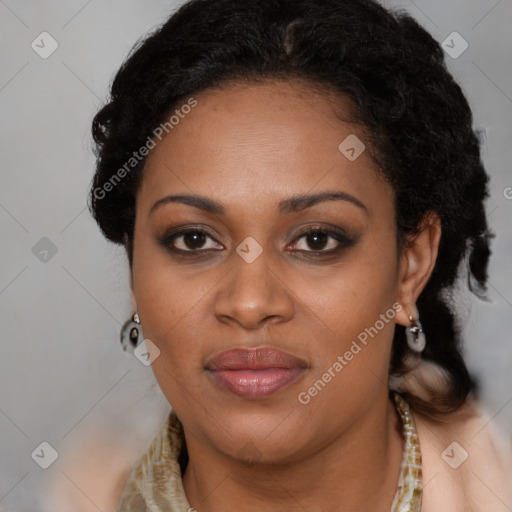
x: 364, y: 478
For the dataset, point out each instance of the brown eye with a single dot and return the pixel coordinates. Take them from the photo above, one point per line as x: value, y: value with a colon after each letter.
x: 317, y: 240
x: 192, y: 240
x: 321, y: 241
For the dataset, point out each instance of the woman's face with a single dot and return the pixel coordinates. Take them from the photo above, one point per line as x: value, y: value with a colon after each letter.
x: 255, y: 168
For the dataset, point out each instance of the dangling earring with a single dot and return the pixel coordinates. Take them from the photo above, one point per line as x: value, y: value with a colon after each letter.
x: 131, y: 333
x: 415, y: 335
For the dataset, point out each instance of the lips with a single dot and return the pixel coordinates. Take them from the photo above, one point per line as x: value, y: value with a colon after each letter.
x: 255, y: 373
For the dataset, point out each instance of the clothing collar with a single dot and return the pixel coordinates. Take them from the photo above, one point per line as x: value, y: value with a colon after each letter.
x: 155, y: 483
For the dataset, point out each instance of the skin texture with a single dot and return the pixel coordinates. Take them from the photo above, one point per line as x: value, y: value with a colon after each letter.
x: 249, y: 147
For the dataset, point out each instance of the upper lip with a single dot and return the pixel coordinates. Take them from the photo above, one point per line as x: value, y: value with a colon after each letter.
x: 259, y: 358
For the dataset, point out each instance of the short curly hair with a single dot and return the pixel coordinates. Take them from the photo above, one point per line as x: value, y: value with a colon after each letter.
x: 418, y: 119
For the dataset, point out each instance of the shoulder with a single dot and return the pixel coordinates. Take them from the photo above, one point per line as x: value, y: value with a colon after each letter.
x: 466, y: 462
x: 156, y: 476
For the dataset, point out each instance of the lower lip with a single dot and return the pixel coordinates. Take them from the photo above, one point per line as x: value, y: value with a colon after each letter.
x: 256, y: 383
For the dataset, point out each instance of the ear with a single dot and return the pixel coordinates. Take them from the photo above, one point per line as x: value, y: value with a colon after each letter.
x: 417, y: 262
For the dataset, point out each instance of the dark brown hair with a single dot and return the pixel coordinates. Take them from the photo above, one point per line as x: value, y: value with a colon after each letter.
x: 418, y: 118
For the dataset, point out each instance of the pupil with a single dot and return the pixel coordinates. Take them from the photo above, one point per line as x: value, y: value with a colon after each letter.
x: 318, y: 239
x: 196, y: 240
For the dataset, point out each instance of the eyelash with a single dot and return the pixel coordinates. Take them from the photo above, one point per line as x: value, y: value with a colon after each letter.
x: 343, y: 241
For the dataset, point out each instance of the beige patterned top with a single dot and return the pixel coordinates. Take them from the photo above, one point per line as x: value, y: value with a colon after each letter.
x: 155, y: 483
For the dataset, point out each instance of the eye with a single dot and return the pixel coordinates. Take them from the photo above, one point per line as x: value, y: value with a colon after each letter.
x: 321, y: 240
x: 316, y: 240
x: 190, y: 240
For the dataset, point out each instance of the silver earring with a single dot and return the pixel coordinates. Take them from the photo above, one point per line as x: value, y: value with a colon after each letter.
x: 415, y: 335
x: 131, y: 333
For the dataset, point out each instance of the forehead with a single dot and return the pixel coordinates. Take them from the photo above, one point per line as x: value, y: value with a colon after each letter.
x: 264, y: 141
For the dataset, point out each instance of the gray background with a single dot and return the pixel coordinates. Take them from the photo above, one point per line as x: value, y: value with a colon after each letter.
x: 63, y: 376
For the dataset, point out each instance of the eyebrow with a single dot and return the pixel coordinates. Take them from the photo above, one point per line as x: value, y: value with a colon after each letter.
x: 289, y: 205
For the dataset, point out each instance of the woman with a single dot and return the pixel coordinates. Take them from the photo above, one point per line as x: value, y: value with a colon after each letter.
x: 297, y: 184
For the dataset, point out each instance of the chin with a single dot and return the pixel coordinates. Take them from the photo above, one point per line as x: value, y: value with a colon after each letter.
x: 260, y: 438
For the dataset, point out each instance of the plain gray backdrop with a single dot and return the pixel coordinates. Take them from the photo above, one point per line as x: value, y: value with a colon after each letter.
x: 64, y: 379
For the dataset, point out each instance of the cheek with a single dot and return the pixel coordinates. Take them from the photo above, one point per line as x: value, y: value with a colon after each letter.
x: 352, y: 304
x: 357, y: 290
x: 168, y: 306
x: 353, y: 323
x: 167, y: 303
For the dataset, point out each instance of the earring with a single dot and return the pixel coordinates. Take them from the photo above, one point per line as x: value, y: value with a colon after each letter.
x: 131, y: 332
x: 415, y: 335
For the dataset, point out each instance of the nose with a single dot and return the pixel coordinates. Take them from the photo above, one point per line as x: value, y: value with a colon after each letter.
x: 253, y: 295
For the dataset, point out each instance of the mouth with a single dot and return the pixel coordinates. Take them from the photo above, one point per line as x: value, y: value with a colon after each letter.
x: 255, y: 373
